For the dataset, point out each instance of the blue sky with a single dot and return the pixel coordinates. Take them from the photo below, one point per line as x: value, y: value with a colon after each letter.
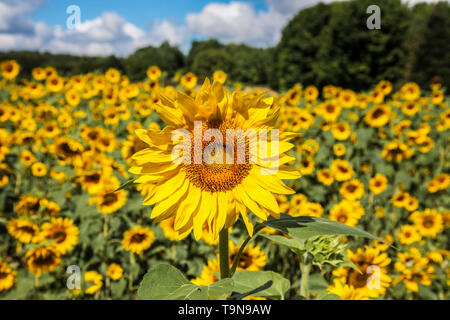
x: 121, y: 26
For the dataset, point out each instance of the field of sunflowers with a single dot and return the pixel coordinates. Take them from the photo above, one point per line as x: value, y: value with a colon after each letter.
x: 376, y: 160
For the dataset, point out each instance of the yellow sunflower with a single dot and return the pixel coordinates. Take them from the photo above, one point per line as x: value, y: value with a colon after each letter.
x: 352, y: 190
x: 42, y: 260
x: 62, y: 232
x: 9, y: 69
x: 341, y: 130
x: 203, y: 181
x: 138, y: 239
x: 153, y: 72
x: 396, y: 151
x: 39, y: 169
x: 408, y: 234
x: 23, y: 230
x: 378, y: 183
x: 347, y: 212
x: 93, y: 280
x: 325, y: 177
x: 115, y: 271
x: 8, y: 276
x: 378, y: 116
x: 341, y: 170
x: 169, y: 232
x: 428, y: 222
x: 345, y: 291
x: 371, y: 282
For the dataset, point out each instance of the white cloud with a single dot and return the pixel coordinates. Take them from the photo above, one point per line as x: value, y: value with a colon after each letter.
x: 237, y: 22
x: 110, y: 33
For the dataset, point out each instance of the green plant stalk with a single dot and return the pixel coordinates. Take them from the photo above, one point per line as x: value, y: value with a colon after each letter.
x: 224, y: 255
x: 304, y: 288
x: 241, y: 249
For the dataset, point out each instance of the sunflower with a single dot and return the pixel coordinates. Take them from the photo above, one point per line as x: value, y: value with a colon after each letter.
x: 339, y: 149
x: 9, y: 69
x: 39, y: 169
x: 220, y: 76
x: 112, y: 75
x: 325, y: 177
x: 341, y: 170
x: 363, y: 259
x: 169, y: 232
x: 352, y: 189
x: 95, y: 280
x: 428, y: 222
x: 73, y: 97
x: 378, y: 116
x: 347, y: 212
x: 385, y: 86
x: 410, y: 91
x: 330, y: 111
x: 27, y: 205
x: 209, y: 274
x: 408, y: 234
x: 345, y: 291
x: 378, y: 183
x: 189, y: 81
x: 396, y: 151
x: 62, y: 232
x: 42, y: 260
x: 115, y: 271
x: 203, y: 189
x: 341, y: 130
x: 67, y: 151
x: 138, y: 239
x: 54, y: 83
x: 400, y: 199
x: 311, y: 93
x: 27, y: 157
x: 153, y: 72
x: 38, y: 73
x: 8, y: 276
x: 306, y: 166
x: 23, y: 230
x: 252, y: 258
x: 106, y: 199
x: 414, y: 270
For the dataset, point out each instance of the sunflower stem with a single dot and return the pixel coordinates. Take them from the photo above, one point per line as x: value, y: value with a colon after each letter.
x: 304, y: 289
x: 224, y: 254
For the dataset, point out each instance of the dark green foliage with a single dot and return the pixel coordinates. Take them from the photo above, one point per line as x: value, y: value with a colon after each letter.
x: 166, y: 57
x: 331, y: 44
x: 210, y: 60
x: 432, y: 58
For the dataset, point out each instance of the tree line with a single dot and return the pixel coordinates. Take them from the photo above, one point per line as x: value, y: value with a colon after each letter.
x: 323, y: 44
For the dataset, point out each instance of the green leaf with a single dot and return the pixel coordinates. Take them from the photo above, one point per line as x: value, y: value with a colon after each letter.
x: 245, y: 281
x: 118, y: 287
x: 304, y: 227
x: 165, y: 282
x: 295, y: 245
x: 126, y: 185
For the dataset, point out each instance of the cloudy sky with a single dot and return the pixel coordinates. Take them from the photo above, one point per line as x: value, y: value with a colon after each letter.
x: 120, y: 26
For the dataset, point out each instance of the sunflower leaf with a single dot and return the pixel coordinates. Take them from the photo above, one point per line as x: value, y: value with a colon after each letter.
x: 165, y: 282
x: 305, y: 227
x: 246, y: 281
x: 126, y: 185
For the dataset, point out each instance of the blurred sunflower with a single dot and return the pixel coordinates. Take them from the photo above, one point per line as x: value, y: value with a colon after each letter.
x: 23, y: 230
x: 378, y: 183
x: 93, y: 281
x: 428, y: 222
x: 9, y: 69
x: 115, y: 271
x: 138, y: 239
x: 42, y: 260
x: 8, y: 276
x: 63, y: 233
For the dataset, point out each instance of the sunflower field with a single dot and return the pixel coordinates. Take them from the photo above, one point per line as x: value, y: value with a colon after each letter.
x: 71, y: 149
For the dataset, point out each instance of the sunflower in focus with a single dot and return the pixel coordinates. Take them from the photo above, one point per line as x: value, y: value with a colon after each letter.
x: 204, y: 182
x: 138, y: 239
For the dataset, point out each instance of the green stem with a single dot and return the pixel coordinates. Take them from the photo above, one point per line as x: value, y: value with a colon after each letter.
x: 304, y: 289
x: 224, y: 254
x: 241, y: 249
x: 132, y: 262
